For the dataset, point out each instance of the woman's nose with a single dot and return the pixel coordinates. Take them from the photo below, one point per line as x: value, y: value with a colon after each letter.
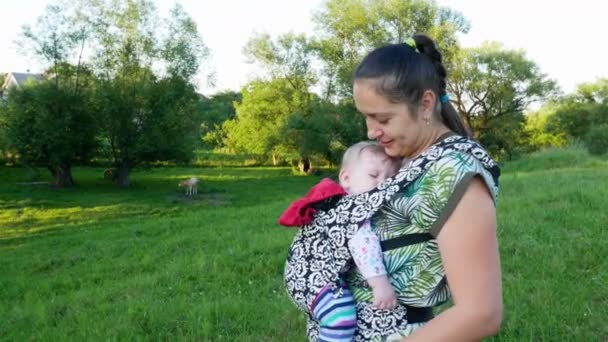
x: 373, y: 132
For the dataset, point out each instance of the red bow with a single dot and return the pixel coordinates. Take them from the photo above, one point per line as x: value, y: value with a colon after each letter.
x: 301, y: 212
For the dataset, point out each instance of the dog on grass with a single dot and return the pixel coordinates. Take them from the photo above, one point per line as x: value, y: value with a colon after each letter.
x: 190, y: 185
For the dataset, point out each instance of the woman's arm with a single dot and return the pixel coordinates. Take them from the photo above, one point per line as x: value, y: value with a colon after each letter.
x: 469, y: 252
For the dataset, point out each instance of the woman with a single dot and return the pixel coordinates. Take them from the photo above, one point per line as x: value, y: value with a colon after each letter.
x: 437, y: 219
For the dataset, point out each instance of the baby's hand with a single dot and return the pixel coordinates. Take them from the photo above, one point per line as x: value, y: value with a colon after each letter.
x: 384, y: 294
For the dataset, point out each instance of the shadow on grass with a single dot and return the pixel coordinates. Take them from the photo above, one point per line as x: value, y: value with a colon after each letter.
x: 34, y: 209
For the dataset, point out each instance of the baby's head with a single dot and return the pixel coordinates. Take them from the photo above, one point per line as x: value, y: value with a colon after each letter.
x: 364, y: 166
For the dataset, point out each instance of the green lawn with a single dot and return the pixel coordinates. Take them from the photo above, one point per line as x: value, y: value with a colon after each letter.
x: 100, y: 263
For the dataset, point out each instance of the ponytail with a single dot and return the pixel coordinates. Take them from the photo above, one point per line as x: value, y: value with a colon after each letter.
x: 405, y: 71
x: 449, y: 116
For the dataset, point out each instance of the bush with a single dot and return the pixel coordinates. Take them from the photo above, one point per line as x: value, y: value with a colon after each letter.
x: 573, y: 156
x: 596, y: 139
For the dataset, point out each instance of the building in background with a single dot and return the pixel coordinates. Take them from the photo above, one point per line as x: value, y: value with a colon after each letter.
x: 17, y: 80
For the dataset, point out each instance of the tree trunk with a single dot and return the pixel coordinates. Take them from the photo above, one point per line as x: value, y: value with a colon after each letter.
x: 123, y: 176
x: 467, y: 122
x: 274, y: 160
x: 509, y: 151
x: 62, y: 175
x: 304, y: 165
x: 479, y: 127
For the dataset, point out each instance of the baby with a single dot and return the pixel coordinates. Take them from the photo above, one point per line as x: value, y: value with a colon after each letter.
x: 364, y: 166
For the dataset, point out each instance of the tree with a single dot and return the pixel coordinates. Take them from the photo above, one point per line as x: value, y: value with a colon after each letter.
x: 58, y: 39
x: 266, y: 115
x: 576, y: 114
x: 273, y: 120
x: 536, y: 129
x: 287, y: 61
x: 170, y: 112
x: 325, y: 131
x: 136, y: 56
x: 147, y: 119
x: 491, y: 87
x: 349, y: 128
x: 574, y: 118
x: 260, y: 117
x: 214, y: 112
x: 51, y: 126
x: 348, y: 29
x: 183, y: 49
x: 5, y: 153
x: 3, y: 137
x: 596, y: 139
x: 50, y: 123
x: 289, y: 57
x: 143, y: 68
x: 593, y: 92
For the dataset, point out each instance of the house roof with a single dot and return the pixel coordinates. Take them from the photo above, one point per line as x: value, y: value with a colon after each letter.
x: 16, y: 79
x: 22, y: 77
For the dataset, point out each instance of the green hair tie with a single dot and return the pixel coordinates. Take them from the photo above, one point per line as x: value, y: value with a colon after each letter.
x: 411, y: 43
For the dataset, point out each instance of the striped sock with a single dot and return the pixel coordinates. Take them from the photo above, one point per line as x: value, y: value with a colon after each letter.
x: 337, y: 316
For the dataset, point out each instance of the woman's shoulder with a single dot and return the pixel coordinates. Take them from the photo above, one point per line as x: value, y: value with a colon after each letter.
x: 456, y: 161
x: 456, y: 169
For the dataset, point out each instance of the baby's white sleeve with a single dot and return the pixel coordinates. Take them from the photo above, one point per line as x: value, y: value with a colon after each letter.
x: 365, y: 249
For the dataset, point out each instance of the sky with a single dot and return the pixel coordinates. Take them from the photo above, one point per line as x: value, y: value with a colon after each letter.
x: 565, y: 38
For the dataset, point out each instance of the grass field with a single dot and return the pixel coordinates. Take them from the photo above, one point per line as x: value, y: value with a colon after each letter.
x: 99, y: 263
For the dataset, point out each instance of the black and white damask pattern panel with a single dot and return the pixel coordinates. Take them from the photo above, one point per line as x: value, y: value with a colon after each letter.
x: 372, y: 322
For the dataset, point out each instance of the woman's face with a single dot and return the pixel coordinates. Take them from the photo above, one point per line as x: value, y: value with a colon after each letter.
x: 392, y: 124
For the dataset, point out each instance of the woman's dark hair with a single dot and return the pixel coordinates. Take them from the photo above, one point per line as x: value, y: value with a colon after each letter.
x: 404, y: 73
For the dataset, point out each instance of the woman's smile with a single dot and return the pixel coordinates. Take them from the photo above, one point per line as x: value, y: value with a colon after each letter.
x: 386, y: 143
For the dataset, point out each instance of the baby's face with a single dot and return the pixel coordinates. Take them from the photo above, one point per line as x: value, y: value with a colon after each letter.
x: 367, y: 172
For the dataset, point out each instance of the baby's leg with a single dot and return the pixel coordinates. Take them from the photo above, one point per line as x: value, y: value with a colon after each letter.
x: 336, y: 315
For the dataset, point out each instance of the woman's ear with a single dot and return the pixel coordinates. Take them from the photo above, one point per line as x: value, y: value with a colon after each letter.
x: 427, y: 104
